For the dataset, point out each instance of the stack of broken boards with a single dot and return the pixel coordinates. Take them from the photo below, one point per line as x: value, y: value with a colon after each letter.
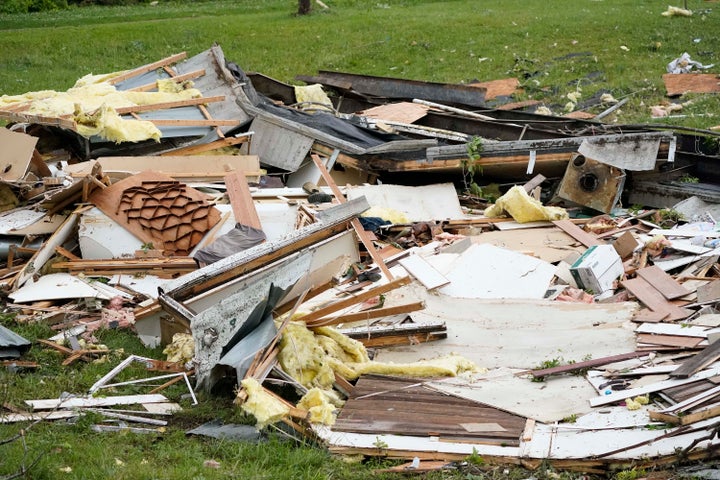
x: 630, y: 379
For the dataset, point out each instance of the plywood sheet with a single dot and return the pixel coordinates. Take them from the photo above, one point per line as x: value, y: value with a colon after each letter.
x: 486, y: 271
x: 681, y: 83
x: 187, y: 167
x: 403, y: 112
x: 15, y: 154
x: 663, y: 282
x: 517, y: 333
x: 391, y: 405
x: 158, y: 210
x: 653, y: 299
x: 419, y: 204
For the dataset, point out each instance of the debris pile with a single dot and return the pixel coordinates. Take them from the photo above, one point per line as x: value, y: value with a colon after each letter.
x: 529, y: 319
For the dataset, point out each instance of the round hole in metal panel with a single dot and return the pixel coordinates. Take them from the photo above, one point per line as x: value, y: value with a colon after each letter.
x: 589, y: 182
x: 579, y: 161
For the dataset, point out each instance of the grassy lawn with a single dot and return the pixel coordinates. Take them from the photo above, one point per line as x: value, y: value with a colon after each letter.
x: 620, y: 47
x: 555, y: 48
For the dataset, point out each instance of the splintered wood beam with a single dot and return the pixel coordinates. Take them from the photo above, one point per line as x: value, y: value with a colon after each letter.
x: 193, y: 123
x: 206, y: 147
x: 586, y: 364
x: 698, y: 361
x: 241, y: 200
x: 175, y: 78
x: 190, y: 102
x: 148, y: 68
x: 370, y: 314
x: 316, y: 317
x: 586, y: 238
x: 361, y: 233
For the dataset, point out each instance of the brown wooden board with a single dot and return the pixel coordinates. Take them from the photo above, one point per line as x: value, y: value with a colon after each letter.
x: 241, y: 200
x: 158, y: 210
x: 663, y: 282
x: 681, y: 83
x: 668, y: 340
x: 697, y: 362
x: 653, y: 299
x: 390, y: 405
x: 587, y: 239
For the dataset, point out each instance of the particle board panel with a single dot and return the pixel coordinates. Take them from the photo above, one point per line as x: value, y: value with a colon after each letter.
x: 391, y: 405
x: 184, y: 167
x: 403, y: 112
x: 653, y: 299
x: 158, y: 210
x: 241, y: 200
x: 664, y: 283
x: 679, y: 84
x: 699, y: 361
x: 668, y: 340
x: 16, y: 154
x: 586, y: 238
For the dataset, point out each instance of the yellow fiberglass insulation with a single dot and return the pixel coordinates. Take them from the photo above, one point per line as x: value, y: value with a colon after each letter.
x: 321, y: 404
x: 302, y: 357
x: 314, y: 96
x: 93, y: 102
x: 523, y: 208
x: 312, y: 359
x: 181, y: 349
x: 106, y: 123
x: 264, y: 407
x: 393, y: 216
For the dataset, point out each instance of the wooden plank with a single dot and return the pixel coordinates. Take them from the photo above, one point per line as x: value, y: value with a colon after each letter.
x: 182, y: 166
x: 175, y: 78
x: 708, y: 292
x: 34, y: 417
x: 673, y: 329
x: 408, y: 339
x: 687, y: 418
x: 316, y: 317
x: 663, y: 282
x: 679, y: 84
x: 165, y: 105
x: 361, y: 233
x: 668, y: 340
x: 80, y: 402
x: 619, y: 395
x: 505, y: 87
x: 148, y: 68
x: 16, y: 154
x: 586, y: 364
x: 192, y: 123
x: 699, y: 361
x: 405, y: 112
x: 425, y: 273
x: 207, y: 147
x: 241, y: 200
x: 587, y: 239
x: 693, y: 401
x: 653, y: 299
x: 371, y: 314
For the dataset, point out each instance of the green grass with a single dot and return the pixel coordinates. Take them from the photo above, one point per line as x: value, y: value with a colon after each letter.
x: 553, y: 51
x: 553, y: 48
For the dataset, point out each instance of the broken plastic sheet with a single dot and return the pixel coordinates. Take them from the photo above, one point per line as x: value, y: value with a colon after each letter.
x: 684, y: 64
x: 240, y: 238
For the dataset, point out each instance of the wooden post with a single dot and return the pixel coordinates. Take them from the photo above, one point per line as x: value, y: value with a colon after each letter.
x: 364, y: 238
